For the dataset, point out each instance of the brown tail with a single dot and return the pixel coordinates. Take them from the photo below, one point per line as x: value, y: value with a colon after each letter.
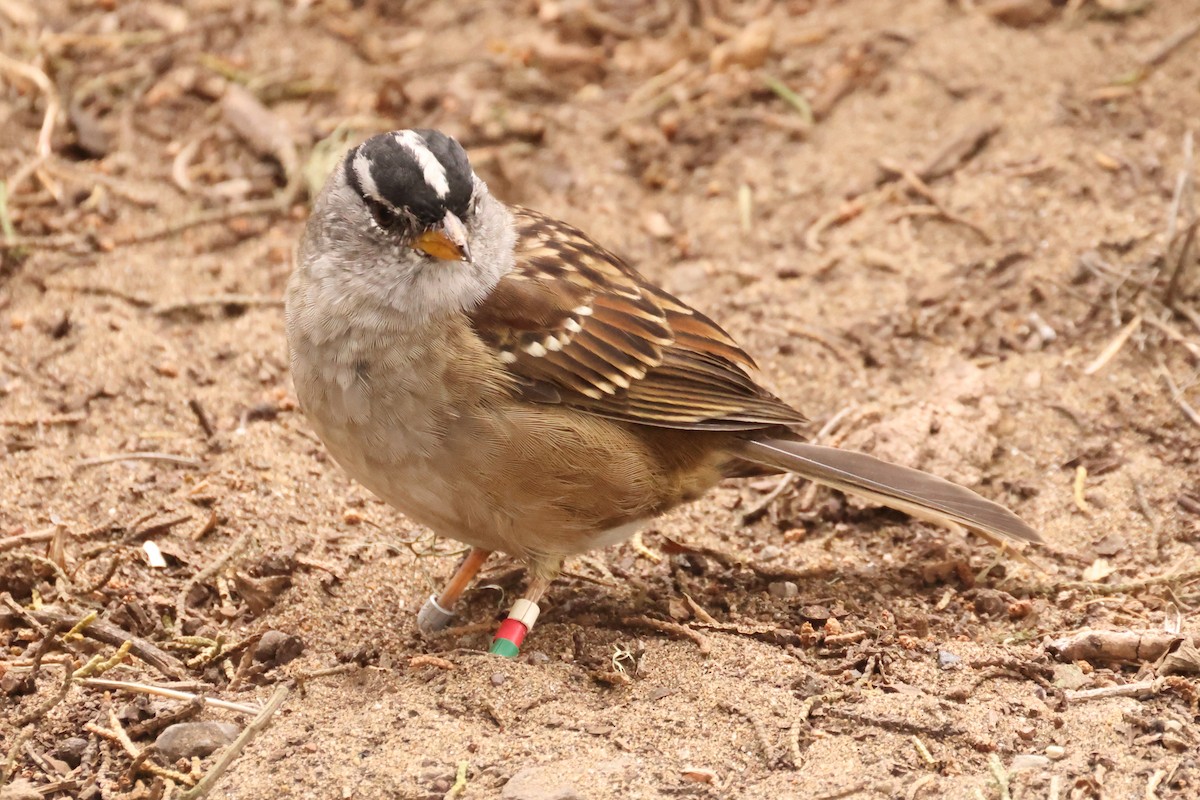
x: 920, y: 494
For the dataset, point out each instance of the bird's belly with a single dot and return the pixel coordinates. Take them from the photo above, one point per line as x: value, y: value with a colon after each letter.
x: 397, y: 448
x: 398, y: 473
x: 546, y: 483
x: 478, y: 466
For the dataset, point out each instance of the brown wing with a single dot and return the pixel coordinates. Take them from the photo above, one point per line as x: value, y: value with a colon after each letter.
x: 577, y: 325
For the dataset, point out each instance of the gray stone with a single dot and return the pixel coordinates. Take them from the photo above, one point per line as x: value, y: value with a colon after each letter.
x: 947, y: 660
x: 540, y: 783
x: 71, y: 750
x: 20, y: 790
x: 195, y: 739
x: 1027, y: 761
x: 277, y: 648
x: 783, y: 589
x: 770, y: 553
x: 1070, y: 677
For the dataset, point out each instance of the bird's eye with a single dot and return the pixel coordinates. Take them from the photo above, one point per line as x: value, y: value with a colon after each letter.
x: 386, y: 217
x: 379, y: 212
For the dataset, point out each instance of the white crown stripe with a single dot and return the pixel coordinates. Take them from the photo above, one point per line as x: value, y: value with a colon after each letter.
x: 362, y: 168
x: 431, y: 168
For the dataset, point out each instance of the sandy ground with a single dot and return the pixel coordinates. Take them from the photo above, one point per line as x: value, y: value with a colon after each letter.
x: 952, y: 226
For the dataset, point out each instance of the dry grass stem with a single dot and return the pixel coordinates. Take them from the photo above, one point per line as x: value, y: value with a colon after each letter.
x: 166, y: 458
x: 174, y: 694
x: 1188, y: 410
x: 1114, y: 346
x: 38, y: 78
x: 1144, y: 688
x: 203, y: 575
x: 672, y: 628
x: 460, y: 782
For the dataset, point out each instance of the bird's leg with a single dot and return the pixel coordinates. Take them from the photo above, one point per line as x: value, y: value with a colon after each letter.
x: 439, y: 609
x: 524, y: 613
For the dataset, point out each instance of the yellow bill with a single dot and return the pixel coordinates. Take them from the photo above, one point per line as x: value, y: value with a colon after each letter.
x: 447, y: 240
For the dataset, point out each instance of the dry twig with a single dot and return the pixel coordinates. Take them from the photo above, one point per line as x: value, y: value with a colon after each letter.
x: 32, y: 537
x: 44, y: 85
x: 116, y: 733
x: 673, y: 628
x: 174, y: 694
x: 1160, y: 54
x: 39, y: 711
x: 1139, y: 689
x: 1188, y: 410
x: 108, y: 633
x: 206, y: 573
x: 52, y: 419
x: 1128, y: 587
x: 1114, y: 346
x: 760, y: 731
x: 1182, y: 195
x: 168, y: 458
x: 1107, y: 647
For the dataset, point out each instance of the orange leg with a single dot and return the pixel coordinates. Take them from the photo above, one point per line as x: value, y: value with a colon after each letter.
x: 439, y: 609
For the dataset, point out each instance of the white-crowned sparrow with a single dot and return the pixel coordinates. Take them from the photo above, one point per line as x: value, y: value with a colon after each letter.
x: 496, y: 375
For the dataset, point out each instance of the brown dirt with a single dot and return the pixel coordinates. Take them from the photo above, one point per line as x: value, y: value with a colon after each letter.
x: 932, y: 327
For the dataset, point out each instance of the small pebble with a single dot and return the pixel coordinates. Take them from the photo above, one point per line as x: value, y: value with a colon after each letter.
x: 498, y: 678
x: 1056, y: 751
x: 1175, y: 743
x: 991, y: 603
x: 542, y: 782
x: 189, y: 740
x: 277, y: 648
x: 770, y: 553
x: 783, y: 589
x: 1069, y: 676
x: 657, y: 225
x: 816, y: 613
x: 17, y: 683
x: 947, y: 660
x: 698, y: 775
x: 71, y: 750
x: 1028, y: 761
x: 20, y: 790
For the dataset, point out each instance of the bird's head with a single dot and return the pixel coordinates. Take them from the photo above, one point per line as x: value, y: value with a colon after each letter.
x: 405, y: 221
x: 419, y: 188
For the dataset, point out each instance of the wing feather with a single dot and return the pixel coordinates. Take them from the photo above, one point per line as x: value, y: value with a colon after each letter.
x: 576, y: 325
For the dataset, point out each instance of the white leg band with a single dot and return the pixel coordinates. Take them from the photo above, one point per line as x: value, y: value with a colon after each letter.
x: 525, y: 612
